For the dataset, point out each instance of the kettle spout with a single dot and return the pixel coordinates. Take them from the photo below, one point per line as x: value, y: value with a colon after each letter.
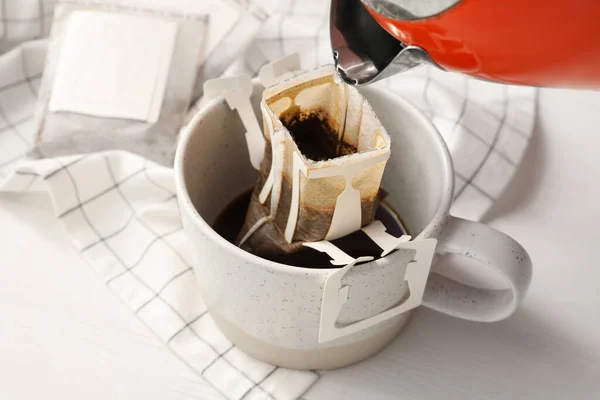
x: 363, y: 52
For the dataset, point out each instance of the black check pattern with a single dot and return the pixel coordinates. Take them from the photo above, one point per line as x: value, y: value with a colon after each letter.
x: 487, y: 128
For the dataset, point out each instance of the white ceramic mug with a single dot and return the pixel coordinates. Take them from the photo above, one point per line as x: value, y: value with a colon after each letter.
x: 272, y: 311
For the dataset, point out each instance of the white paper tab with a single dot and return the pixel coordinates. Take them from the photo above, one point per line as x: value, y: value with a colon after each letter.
x: 278, y: 70
x: 237, y: 91
x: 219, y: 86
x: 347, y: 213
x: 113, y: 66
x: 388, y: 243
x: 335, y: 295
x: 266, y: 189
x: 338, y: 257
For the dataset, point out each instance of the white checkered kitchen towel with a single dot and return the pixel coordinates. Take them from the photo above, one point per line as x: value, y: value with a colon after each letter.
x: 120, y: 210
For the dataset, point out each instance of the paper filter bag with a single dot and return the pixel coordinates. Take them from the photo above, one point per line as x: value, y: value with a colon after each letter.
x: 325, y: 156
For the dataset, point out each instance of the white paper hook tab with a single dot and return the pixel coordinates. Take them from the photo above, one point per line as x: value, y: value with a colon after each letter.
x: 278, y: 70
x: 377, y: 233
x: 347, y: 215
x: 237, y: 91
x: 338, y: 257
x: 335, y: 295
x: 214, y: 87
x: 297, y: 166
x: 266, y: 189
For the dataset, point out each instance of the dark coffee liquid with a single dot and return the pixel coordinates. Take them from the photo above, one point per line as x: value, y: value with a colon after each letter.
x: 314, y: 137
x: 229, y: 223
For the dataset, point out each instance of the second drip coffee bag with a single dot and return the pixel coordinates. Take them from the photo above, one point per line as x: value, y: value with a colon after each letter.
x: 320, y: 177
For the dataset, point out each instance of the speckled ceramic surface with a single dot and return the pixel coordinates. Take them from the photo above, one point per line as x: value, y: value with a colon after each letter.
x: 279, y: 305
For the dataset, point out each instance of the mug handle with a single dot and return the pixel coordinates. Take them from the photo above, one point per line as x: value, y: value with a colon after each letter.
x: 497, y: 252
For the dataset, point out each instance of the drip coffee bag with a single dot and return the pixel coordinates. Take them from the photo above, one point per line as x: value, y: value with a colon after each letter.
x: 123, y: 74
x: 324, y: 158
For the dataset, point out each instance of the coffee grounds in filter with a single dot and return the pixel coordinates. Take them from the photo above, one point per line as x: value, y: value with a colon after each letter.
x: 314, y: 136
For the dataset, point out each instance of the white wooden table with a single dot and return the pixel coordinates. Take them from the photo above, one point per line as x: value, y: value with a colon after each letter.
x: 63, y: 335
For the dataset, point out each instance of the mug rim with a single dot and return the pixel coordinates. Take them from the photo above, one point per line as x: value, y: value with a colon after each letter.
x: 187, y: 205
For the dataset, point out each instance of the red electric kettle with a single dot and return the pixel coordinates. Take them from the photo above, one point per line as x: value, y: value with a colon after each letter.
x: 551, y: 43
